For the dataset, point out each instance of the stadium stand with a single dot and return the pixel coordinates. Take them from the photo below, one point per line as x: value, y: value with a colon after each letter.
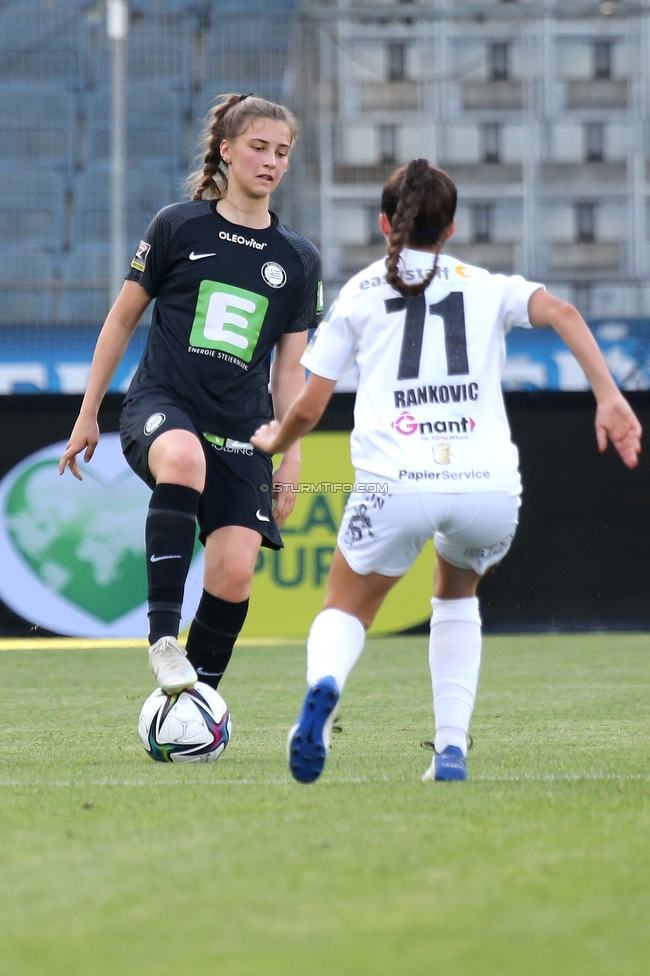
x: 55, y: 131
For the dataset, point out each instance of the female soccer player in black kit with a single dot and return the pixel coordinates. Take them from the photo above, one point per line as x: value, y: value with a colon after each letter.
x: 232, y: 285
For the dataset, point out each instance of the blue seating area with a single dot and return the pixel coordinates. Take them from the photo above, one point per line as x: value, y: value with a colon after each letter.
x: 55, y: 131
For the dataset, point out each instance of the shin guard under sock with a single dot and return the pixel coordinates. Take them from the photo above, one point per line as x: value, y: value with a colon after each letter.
x: 170, y: 534
x: 454, y: 659
x: 212, y: 636
x: 334, y: 644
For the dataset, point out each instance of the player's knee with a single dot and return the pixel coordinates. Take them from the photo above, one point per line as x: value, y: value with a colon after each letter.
x: 181, y: 464
x: 232, y: 582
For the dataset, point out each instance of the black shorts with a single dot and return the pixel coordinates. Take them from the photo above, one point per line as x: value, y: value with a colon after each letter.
x: 238, y: 477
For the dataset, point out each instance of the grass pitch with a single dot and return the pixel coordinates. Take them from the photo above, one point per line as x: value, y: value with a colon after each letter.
x: 538, y: 866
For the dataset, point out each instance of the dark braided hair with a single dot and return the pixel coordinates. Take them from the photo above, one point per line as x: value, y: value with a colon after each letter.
x: 228, y: 119
x: 420, y: 202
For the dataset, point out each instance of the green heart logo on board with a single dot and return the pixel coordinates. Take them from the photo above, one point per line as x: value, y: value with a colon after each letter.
x: 87, y: 545
x: 72, y: 553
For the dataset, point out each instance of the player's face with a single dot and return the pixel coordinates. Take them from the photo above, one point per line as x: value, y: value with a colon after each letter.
x: 258, y: 157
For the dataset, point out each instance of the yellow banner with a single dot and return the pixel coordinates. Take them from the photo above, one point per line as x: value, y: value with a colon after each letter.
x: 289, y: 585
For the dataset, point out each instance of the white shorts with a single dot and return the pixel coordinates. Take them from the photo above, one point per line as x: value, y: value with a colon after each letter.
x: 385, y: 533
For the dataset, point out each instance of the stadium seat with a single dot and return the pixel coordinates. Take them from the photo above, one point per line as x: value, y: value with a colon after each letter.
x: 25, y: 286
x: 147, y: 192
x: 32, y: 209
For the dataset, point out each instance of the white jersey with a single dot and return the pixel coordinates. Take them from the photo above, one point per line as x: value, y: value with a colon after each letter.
x: 429, y: 412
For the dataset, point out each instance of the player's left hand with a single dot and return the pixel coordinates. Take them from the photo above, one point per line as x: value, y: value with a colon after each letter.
x: 617, y: 422
x: 285, y: 479
x: 264, y: 437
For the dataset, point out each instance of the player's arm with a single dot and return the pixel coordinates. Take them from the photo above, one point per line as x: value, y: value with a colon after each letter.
x: 287, y: 381
x: 301, y: 417
x: 615, y: 418
x: 113, y: 339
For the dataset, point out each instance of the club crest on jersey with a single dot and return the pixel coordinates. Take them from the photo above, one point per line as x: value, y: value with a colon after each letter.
x: 153, y: 423
x: 140, y: 256
x: 274, y: 274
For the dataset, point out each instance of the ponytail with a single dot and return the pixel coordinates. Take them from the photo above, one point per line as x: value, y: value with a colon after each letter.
x: 420, y: 202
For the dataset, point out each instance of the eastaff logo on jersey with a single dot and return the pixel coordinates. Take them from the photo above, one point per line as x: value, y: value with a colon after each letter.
x: 140, y: 257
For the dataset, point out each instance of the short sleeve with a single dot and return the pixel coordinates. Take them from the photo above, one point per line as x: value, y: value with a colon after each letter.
x: 150, y: 262
x: 333, y: 348
x: 309, y: 310
x: 514, y: 303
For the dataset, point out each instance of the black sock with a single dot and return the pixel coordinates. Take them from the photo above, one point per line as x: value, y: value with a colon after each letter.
x: 170, y: 534
x: 212, y: 636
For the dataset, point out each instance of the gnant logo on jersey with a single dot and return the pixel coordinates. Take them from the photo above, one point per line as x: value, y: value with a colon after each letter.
x: 153, y: 423
x: 460, y: 393
x: 451, y: 428
x: 140, y: 257
x: 463, y: 271
x: 274, y: 274
x: 227, y: 322
x: 238, y: 239
x: 405, y: 423
x: 433, y: 429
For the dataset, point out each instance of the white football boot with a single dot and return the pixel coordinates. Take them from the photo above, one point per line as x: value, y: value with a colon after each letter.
x: 171, y: 669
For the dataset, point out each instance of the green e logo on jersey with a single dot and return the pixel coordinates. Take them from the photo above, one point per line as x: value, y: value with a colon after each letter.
x: 228, y: 318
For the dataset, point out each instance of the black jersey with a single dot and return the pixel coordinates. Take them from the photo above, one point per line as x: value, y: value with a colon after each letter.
x: 225, y: 294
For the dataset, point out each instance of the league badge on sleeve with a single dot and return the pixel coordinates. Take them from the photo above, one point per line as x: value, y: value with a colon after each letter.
x: 140, y: 257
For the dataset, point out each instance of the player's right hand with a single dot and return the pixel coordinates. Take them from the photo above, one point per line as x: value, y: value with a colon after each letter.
x: 265, y: 437
x: 84, y: 437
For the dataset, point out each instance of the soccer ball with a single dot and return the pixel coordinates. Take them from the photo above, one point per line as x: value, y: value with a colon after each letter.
x: 192, y: 725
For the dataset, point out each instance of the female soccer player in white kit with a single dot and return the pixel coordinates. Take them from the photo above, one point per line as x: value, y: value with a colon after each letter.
x: 427, y: 333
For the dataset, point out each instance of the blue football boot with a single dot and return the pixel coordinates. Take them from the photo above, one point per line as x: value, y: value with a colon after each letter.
x: 309, y: 739
x: 447, y: 766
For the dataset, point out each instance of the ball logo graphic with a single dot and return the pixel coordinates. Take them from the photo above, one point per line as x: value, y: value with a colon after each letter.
x: 463, y: 271
x: 405, y: 423
x: 274, y: 274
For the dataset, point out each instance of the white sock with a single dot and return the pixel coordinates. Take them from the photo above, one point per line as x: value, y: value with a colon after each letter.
x: 334, y: 644
x: 454, y: 659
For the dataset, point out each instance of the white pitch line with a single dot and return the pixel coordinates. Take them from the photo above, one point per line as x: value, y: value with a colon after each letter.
x: 352, y: 780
